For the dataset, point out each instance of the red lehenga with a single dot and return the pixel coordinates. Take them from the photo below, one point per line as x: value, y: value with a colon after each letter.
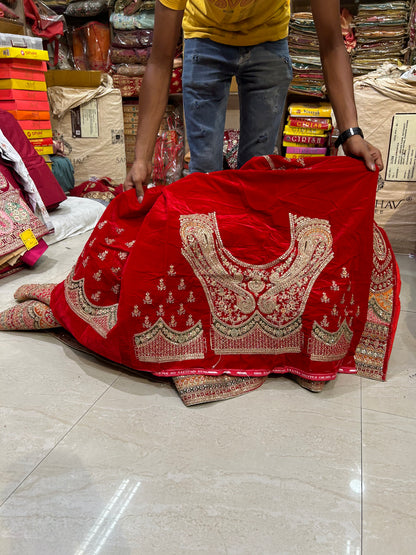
x: 274, y: 268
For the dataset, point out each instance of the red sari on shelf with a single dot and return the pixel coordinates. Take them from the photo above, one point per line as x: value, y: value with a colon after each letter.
x: 274, y: 268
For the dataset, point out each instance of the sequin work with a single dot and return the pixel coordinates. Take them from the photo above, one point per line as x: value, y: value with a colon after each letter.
x: 256, y: 309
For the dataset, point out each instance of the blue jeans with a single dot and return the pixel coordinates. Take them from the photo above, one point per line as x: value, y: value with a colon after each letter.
x: 263, y: 74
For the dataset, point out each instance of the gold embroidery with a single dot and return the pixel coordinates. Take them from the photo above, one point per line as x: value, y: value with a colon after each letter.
x: 181, y: 286
x: 163, y: 344
x: 136, y: 312
x: 161, y: 285
x: 170, y: 298
x: 335, y: 286
x: 372, y: 349
x: 102, y: 255
x: 101, y: 318
x: 147, y: 298
x: 97, y: 275
x: 324, y: 298
x: 171, y: 271
x: 256, y: 309
x: 344, y: 273
x: 181, y: 310
x: 160, y: 311
x: 328, y: 346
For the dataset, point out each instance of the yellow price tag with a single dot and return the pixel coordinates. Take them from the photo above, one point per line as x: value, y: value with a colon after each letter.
x: 28, y: 239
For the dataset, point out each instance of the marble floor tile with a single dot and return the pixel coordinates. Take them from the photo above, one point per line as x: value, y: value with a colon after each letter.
x: 389, y: 484
x: 45, y: 389
x: 397, y: 395
x: 141, y: 473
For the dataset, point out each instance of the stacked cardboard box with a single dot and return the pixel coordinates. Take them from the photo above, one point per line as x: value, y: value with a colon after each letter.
x: 308, y: 130
x: 23, y: 90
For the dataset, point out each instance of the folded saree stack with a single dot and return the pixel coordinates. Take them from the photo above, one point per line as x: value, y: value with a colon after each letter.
x: 132, y: 24
x: 304, y: 51
x: 381, y: 31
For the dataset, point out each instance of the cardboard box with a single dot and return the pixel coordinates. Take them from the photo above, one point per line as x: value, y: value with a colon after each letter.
x: 38, y: 133
x: 34, y: 124
x: 30, y: 115
x: 42, y: 142
x: 27, y: 53
x: 22, y: 84
x: 19, y: 73
x: 90, y: 122
x: 42, y: 150
x: 75, y: 79
x: 17, y: 94
x: 19, y: 63
x: 24, y: 105
x: 390, y: 125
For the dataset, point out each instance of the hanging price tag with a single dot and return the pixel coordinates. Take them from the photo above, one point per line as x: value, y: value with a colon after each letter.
x: 28, y: 239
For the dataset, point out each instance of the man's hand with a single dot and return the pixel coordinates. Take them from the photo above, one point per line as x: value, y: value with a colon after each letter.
x: 138, y: 177
x: 357, y: 147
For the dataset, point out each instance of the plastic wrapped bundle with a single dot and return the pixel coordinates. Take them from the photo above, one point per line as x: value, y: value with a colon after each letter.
x: 86, y: 8
x: 91, y: 44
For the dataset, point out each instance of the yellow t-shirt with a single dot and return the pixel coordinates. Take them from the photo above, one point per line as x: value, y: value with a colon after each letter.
x: 234, y: 22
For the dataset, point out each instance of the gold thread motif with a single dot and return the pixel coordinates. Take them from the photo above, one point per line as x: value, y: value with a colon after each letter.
x: 256, y: 308
x: 161, y: 343
x: 372, y: 349
x: 329, y: 346
x: 101, y: 318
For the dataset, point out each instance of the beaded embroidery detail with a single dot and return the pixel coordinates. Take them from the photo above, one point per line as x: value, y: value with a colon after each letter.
x: 327, y: 346
x: 101, y: 318
x: 161, y: 343
x: 256, y: 308
x: 371, y: 351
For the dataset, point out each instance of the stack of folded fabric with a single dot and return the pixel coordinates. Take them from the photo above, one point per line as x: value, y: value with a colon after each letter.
x: 23, y: 88
x: 132, y: 36
x: 304, y: 51
x: 410, y: 54
x: 90, y: 34
x: 381, y: 31
x: 169, y: 148
x: 308, y: 130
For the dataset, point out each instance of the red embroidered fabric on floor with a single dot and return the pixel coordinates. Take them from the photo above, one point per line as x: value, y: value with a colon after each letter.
x: 274, y: 268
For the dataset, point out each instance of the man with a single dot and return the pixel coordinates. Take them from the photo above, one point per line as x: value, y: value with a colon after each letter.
x: 248, y: 39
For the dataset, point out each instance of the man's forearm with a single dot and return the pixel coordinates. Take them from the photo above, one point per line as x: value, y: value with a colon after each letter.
x: 152, y: 103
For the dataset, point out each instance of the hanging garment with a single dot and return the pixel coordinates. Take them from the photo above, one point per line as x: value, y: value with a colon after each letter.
x: 274, y: 268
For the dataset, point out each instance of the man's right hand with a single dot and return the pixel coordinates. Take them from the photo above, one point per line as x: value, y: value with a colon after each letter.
x: 138, y: 177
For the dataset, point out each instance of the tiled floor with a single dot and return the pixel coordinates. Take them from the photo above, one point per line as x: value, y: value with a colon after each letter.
x: 94, y: 461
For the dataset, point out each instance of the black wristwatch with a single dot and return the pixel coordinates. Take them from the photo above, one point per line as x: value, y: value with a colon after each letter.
x: 347, y: 134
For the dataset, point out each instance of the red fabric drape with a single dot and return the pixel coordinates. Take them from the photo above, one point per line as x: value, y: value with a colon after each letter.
x: 273, y: 268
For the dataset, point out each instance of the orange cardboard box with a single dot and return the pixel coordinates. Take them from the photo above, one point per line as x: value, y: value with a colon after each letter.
x: 31, y: 115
